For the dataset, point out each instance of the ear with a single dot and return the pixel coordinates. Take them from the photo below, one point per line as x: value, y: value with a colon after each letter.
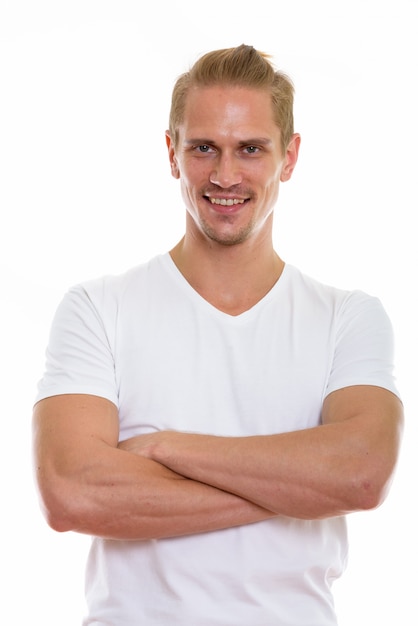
x: 172, y: 156
x: 291, y: 158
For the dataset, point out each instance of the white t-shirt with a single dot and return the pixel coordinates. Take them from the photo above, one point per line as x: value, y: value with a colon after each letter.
x: 168, y: 359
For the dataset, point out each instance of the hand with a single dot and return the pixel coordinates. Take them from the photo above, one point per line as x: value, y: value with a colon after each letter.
x: 163, y: 446
x: 142, y: 445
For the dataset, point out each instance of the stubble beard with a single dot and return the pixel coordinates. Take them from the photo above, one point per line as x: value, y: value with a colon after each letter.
x: 227, y: 239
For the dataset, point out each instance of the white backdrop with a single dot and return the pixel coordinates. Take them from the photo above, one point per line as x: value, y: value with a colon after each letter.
x: 85, y: 189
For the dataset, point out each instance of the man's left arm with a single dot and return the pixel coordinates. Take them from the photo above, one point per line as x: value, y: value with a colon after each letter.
x: 346, y: 464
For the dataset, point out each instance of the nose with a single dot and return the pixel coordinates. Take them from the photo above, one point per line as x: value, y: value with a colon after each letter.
x: 226, y: 172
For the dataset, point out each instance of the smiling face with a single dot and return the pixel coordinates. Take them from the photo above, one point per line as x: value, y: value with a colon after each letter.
x: 229, y: 160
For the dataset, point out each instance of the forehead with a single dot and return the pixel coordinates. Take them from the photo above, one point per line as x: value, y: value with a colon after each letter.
x: 227, y: 109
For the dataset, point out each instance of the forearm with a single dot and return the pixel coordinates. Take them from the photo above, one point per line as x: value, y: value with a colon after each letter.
x: 275, y: 472
x: 134, y: 498
x: 87, y: 484
x: 342, y: 466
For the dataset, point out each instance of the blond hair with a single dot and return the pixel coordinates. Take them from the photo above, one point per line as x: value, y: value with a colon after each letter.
x: 242, y: 66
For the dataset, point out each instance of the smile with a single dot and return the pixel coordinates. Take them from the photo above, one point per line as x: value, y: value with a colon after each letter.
x: 226, y: 201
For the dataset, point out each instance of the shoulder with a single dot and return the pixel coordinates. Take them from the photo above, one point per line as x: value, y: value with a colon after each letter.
x: 114, y: 288
x: 347, y: 311
x: 320, y: 293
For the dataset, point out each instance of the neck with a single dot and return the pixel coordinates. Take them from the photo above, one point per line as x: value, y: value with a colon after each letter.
x: 232, y: 278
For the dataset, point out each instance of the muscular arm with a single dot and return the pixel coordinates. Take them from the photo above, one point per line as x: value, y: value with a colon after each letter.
x: 344, y: 465
x: 88, y: 485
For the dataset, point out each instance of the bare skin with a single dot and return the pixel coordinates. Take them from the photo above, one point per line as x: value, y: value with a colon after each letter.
x: 90, y: 486
x: 230, y: 166
x: 343, y: 466
x: 227, y: 253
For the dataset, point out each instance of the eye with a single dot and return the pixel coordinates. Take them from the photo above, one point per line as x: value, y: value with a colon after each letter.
x: 251, y: 149
x: 203, y: 148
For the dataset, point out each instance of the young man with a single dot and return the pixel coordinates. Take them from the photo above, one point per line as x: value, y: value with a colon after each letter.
x: 211, y: 416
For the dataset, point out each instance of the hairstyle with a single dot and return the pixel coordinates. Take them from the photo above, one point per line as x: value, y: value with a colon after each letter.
x: 242, y: 66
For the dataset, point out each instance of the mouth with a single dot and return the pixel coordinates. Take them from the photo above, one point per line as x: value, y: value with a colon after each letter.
x: 226, y: 201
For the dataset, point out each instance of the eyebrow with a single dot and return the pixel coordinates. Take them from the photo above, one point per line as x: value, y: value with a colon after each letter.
x: 257, y: 141
x: 263, y: 141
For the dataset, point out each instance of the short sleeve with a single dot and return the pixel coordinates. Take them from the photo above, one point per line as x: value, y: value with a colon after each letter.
x: 364, y: 345
x: 79, y: 357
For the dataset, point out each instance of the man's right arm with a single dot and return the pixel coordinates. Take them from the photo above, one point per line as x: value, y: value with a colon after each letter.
x: 88, y: 485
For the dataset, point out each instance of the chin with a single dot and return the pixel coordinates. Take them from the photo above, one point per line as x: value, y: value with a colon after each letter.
x: 228, y: 239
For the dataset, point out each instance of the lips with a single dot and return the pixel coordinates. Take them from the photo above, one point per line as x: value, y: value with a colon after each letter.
x: 227, y: 201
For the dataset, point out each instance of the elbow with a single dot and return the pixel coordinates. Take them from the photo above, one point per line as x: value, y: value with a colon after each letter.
x: 57, y: 506
x: 57, y: 520
x: 374, y: 476
x: 372, y: 489
x: 369, y: 496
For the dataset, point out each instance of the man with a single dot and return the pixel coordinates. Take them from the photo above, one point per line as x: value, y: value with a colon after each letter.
x: 211, y: 416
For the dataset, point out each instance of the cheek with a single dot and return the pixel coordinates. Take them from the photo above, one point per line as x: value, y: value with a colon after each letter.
x: 270, y: 190
x: 175, y: 173
x: 194, y: 178
x: 187, y: 193
x: 269, y: 183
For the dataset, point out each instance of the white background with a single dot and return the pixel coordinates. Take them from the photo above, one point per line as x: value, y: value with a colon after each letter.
x: 85, y: 189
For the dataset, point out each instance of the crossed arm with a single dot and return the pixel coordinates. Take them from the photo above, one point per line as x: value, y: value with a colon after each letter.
x: 171, y: 483
x: 89, y: 485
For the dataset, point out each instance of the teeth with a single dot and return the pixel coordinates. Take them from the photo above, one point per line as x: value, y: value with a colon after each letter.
x: 226, y: 201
